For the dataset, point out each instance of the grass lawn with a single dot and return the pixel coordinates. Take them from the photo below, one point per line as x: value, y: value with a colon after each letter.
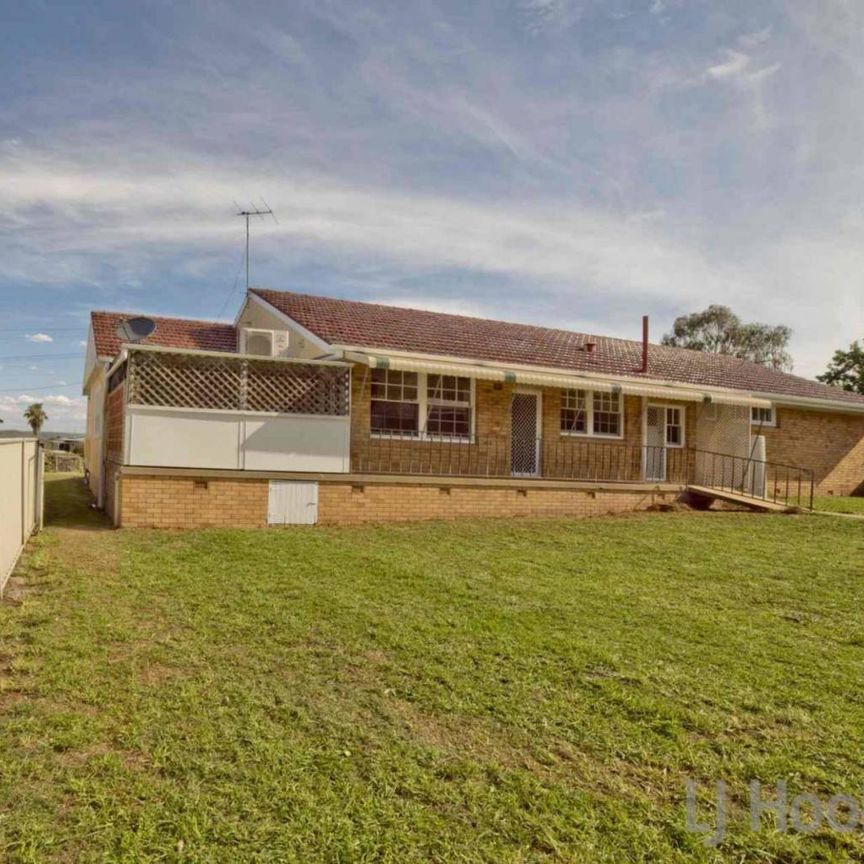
x: 496, y: 692
x: 840, y: 504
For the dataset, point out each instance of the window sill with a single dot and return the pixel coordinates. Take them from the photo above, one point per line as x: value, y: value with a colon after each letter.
x: 421, y: 439
x: 592, y: 435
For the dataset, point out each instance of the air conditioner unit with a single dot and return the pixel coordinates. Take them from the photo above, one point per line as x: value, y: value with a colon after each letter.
x: 258, y: 342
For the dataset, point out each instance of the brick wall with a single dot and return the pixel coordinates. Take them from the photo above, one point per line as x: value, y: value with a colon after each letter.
x: 114, y: 422
x: 831, y: 444
x: 343, y: 504
x: 175, y: 502
x: 618, y: 459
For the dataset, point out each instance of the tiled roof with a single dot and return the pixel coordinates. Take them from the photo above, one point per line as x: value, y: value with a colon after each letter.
x: 370, y: 325
x: 169, y: 333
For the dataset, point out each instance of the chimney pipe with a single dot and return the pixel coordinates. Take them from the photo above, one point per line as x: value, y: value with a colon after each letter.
x: 644, y: 344
x: 590, y: 347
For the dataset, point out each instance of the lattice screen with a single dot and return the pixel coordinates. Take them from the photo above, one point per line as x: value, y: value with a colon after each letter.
x: 723, y: 429
x: 233, y: 384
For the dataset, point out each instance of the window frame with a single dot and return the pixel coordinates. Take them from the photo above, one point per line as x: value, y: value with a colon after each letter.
x: 666, y: 406
x: 765, y: 424
x: 589, y: 415
x: 682, y: 414
x: 423, y: 402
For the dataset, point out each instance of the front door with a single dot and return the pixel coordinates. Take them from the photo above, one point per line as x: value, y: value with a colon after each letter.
x: 655, y: 444
x: 524, y: 439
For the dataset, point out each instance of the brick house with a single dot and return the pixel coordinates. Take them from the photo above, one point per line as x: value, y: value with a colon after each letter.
x: 311, y: 409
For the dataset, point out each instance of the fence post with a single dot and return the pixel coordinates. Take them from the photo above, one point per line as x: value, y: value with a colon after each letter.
x: 23, y: 492
x: 40, y: 486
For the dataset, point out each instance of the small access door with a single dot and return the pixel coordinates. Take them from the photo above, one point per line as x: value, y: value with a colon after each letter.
x: 292, y: 502
x: 655, y: 444
x: 524, y: 435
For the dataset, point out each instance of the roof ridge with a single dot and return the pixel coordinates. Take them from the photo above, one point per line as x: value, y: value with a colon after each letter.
x: 450, y: 315
x: 669, y: 362
x: 164, y: 317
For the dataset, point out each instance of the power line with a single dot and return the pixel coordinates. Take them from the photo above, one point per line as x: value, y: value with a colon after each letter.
x: 43, y: 327
x: 41, y: 356
x: 25, y: 389
x: 233, y: 287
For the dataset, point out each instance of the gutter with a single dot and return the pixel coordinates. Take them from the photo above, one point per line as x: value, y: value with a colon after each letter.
x: 721, y: 395
x: 545, y: 376
x: 815, y: 404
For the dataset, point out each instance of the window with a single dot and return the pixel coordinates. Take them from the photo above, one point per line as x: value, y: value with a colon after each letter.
x: 448, y: 411
x: 762, y: 416
x: 674, y: 427
x: 584, y: 412
x: 414, y: 404
x: 395, y: 403
x: 607, y: 414
x: 574, y: 416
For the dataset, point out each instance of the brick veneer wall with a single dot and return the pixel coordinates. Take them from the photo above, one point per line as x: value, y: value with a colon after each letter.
x: 831, y: 444
x: 344, y: 504
x: 114, y: 421
x: 564, y: 456
x: 181, y: 502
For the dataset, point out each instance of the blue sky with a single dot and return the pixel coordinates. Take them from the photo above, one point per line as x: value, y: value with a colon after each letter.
x: 568, y: 162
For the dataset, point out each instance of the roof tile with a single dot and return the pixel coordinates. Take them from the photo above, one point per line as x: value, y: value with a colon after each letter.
x: 370, y: 325
x: 169, y: 333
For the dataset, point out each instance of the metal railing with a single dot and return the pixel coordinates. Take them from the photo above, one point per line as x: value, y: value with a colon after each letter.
x: 755, y: 478
x: 499, y: 456
x: 571, y: 458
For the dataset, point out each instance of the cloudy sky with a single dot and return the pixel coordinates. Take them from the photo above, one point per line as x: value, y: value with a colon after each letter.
x: 568, y: 162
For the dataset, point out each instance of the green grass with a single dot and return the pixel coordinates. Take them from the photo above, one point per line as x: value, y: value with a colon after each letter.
x: 496, y: 692
x: 840, y: 504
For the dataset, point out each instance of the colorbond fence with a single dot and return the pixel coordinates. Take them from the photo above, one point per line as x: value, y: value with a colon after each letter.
x: 20, y: 499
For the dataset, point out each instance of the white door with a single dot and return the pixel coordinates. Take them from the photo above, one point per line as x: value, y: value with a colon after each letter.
x: 758, y: 477
x: 292, y: 502
x: 524, y: 435
x: 655, y: 443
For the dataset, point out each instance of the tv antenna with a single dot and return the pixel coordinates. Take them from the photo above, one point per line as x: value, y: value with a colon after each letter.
x: 248, y: 213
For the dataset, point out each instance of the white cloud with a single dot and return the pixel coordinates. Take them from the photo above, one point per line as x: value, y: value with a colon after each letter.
x: 39, y: 337
x: 562, y: 252
x: 735, y: 65
x: 551, y: 241
x: 432, y: 303
x: 756, y: 38
x: 64, y: 413
x: 737, y: 68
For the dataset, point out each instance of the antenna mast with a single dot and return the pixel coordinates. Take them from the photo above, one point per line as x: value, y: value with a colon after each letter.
x: 248, y: 213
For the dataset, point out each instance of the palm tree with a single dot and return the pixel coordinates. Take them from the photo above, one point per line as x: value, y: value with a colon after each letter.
x: 35, y: 415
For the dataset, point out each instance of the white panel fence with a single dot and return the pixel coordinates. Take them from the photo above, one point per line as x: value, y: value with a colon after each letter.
x: 188, y: 438
x: 21, y: 469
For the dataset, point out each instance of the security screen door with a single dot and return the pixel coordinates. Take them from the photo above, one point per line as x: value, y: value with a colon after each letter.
x: 655, y: 443
x: 524, y: 443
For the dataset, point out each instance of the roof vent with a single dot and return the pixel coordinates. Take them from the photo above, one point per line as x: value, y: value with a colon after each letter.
x: 135, y: 329
x: 590, y: 347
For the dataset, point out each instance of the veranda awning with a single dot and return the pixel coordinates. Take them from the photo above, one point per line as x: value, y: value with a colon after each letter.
x: 564, y: 380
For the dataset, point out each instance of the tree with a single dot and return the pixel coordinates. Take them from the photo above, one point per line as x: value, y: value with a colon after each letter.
x: 846, y: 369
x: 35, y: 415
x: 718, y: 330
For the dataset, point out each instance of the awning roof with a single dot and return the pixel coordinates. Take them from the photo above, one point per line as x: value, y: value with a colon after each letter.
x: 542, y: 378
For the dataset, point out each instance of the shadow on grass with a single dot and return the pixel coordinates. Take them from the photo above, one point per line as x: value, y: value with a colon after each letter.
x: 67, y: 504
